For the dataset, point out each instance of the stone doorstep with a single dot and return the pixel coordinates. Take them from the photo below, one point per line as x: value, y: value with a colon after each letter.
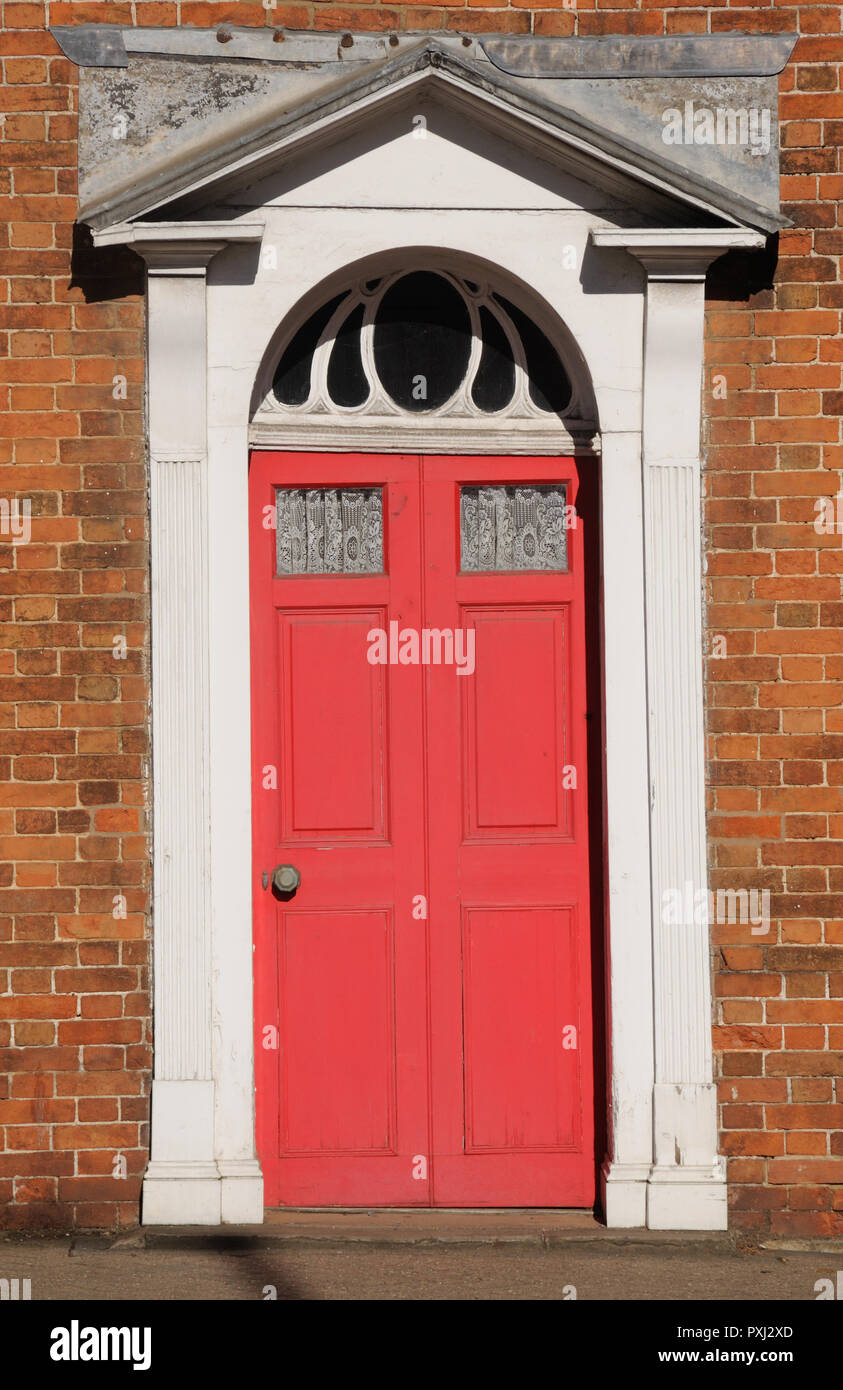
x: 408, y: 1226
x: 396, y: 1226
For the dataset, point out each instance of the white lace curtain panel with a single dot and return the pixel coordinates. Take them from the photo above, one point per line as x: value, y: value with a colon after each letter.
x: 340, y: 530
x: 513, y: 528
x: 329, y: 530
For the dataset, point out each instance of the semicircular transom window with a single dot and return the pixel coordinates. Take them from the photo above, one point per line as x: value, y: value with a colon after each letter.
x: 421, y: 342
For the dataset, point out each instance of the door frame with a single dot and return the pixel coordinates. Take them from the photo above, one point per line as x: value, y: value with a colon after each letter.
x: 639, y: 328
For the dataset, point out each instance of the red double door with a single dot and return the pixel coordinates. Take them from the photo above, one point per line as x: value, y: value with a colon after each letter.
x: 423, y: 999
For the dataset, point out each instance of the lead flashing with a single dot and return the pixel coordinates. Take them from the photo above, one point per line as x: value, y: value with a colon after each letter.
x: 91, y: 45
x: 679, y: 55
x: 682, y: 55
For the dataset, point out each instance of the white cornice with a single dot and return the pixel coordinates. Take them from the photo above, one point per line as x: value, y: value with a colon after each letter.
x: 677, y: 253
x: 178, y: 248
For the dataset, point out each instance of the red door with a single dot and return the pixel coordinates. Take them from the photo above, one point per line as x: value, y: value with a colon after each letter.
x: 423, y: 996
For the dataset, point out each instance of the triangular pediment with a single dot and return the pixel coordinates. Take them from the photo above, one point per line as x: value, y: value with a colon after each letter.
x: 192, y: 165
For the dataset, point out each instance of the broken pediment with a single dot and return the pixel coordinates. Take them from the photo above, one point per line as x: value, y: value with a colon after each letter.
x: 681, y: 129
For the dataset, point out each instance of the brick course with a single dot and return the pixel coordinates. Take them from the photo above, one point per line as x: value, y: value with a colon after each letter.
x: 75, y: 1039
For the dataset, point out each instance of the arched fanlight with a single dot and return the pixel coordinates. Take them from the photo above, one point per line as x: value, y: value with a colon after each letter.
x: 424, y: 342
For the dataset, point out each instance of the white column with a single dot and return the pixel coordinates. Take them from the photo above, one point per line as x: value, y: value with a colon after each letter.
x: 181, y: 1182
x: 231, y: 821
x: 185, y: 1182
x: 686, y: 1179
x: 627, y: 837
x: 687, y: 1182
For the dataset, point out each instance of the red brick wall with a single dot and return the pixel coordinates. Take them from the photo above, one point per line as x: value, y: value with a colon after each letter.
x: 774, y: 715
x: 74, y: 1007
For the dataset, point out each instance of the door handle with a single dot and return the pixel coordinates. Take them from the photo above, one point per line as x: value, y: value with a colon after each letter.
x: 286, y: 878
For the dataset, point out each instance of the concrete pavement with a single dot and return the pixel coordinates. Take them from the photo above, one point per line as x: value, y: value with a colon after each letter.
x: 419, y: 1255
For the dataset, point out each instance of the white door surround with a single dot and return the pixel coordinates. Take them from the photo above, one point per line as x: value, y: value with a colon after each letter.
x: 631, y: 300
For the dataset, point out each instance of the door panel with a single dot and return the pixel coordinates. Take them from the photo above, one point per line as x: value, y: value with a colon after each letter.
x: 336, y: 749
x: 518, y: 1095
x: 423, y: 1001
x: 510, y: 846
x: 337, y: 1032
x: 340, y: 967
x: 515, y: 730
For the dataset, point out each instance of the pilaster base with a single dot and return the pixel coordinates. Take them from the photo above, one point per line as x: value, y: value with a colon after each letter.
x: 181, y: 1194
x: 664, y: 1198
x: 687, y: 1199
x: 241, y: 1193
x: 202, y: 1194
x: 184, y: 1184
x: 623, y: 1188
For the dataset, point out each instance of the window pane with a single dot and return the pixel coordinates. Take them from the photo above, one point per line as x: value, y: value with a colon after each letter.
x: 550, y: 387
x: 291, y: 385
x: 495, y: 380
x: 329, y: 530
x: 347, y: 384
x: 422, y: 341
x: 513, y: 528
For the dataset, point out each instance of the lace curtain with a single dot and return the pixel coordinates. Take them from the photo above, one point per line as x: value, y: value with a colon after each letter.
x: 329, y: 530
x: 513, y: 528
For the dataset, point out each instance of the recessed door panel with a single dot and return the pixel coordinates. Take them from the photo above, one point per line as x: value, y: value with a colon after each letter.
x: 519, y: 969
x: 515, y: 720
x: 337, y: 1032
x: 337, y: 748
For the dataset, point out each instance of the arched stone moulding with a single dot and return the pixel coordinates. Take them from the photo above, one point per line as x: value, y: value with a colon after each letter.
x: 632, y: 312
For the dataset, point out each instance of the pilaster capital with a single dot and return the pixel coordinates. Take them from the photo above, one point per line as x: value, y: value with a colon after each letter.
x: 677, y: 253
x: 179, y: 248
